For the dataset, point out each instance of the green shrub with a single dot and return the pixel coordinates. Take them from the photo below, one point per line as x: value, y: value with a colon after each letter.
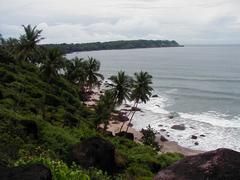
x: 149, y: 136
x: 60, y: 170
x: 137, y: 172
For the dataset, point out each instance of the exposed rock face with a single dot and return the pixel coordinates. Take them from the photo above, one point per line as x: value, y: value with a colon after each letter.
x: 179, y: 127
x: 221, y: 164
x: 127, y: 135
x: 94, y: 152
x: 30, y: 172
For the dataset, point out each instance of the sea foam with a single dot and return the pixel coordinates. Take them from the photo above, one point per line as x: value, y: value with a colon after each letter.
x: 217, y: 129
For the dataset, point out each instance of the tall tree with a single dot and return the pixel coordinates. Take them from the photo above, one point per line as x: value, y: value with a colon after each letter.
x: 93, y: 76
x: 50, y: 68
x: 75, y: 72
x: 52, y: 64
x: 28, y: 43
x: 141, y: 90
x: 120, y: 86
x: 104, y: 108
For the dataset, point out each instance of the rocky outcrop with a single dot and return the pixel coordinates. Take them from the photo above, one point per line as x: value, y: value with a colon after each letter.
x: 179, y: 127
x: 94, y: 152
x: 221, y: 164
x: 127, y: 135
x: 29, y: 172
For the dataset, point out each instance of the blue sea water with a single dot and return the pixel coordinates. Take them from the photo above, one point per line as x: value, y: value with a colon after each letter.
x: 200, y: 85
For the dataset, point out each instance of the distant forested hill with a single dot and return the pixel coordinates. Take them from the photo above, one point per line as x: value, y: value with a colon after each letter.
x: 68, y: 48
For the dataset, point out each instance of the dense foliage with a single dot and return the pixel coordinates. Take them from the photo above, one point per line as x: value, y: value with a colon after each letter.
x: 68, y: 48
x: 42, y: 114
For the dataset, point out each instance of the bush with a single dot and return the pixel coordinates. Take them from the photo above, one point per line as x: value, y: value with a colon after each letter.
x: 149, y: 136
x: 60, y: 170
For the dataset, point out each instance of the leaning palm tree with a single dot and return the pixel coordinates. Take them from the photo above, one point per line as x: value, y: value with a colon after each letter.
x: 141, y: 90
x: 92, y: 66
x: 27, y: 46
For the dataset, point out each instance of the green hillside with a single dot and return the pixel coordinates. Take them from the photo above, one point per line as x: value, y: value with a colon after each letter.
x: 42, y: 114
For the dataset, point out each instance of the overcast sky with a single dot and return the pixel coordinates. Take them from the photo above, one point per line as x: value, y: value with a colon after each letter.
x: 186, y: 21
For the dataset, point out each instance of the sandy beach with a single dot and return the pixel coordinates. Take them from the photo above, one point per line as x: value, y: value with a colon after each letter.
x: 115, y: 125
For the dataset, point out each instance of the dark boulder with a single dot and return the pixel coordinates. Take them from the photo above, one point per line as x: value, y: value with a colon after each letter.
x: 163, y: 139
x: 179, y: 127
x: 127, y: 135
x: 193, y: 137
x: 94, y: 152
x: 155, y: 96
x: 221, y: 164
x: 196, y: 143
x: 29, y: 172
x: 202, y: 135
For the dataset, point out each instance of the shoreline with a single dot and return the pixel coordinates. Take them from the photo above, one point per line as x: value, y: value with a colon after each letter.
x: 115, y: 125
x: 165, y: 146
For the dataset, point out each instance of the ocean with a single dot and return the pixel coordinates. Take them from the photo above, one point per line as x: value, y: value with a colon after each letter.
x: 199, y: 85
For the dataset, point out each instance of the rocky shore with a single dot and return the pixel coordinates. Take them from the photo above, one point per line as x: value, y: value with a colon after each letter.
x: 116, y: 122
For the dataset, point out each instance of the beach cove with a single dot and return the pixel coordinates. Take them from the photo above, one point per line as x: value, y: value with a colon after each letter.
x: 192, y: 85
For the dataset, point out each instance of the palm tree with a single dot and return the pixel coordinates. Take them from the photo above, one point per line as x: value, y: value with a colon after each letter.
x: 92, y: 66
x: 120, y: 86
x: 141, y: 90
x: 75, y: 72
x: 53, y: 63
x: 104, y: 108
x: 50, y: 68
x: 28, y: 43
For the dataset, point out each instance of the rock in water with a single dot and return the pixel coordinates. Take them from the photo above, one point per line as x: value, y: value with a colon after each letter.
x: 94, y: 152
x: 29, y: 172
x: 193, y: 137
x: 179, y: 127
x: 221, y: 164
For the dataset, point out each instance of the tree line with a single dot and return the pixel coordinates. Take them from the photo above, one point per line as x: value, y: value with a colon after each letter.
x: 131, y: 44
x: 82, y: 73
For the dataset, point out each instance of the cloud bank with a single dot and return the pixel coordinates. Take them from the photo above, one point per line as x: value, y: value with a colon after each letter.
x: 187, y: 21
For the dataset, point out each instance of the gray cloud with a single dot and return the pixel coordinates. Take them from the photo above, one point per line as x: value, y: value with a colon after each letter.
x: 187, y: 21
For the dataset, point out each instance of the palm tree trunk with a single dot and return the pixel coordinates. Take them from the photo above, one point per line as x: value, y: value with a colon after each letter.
x: 131, y: 118
x: 127, y: 116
